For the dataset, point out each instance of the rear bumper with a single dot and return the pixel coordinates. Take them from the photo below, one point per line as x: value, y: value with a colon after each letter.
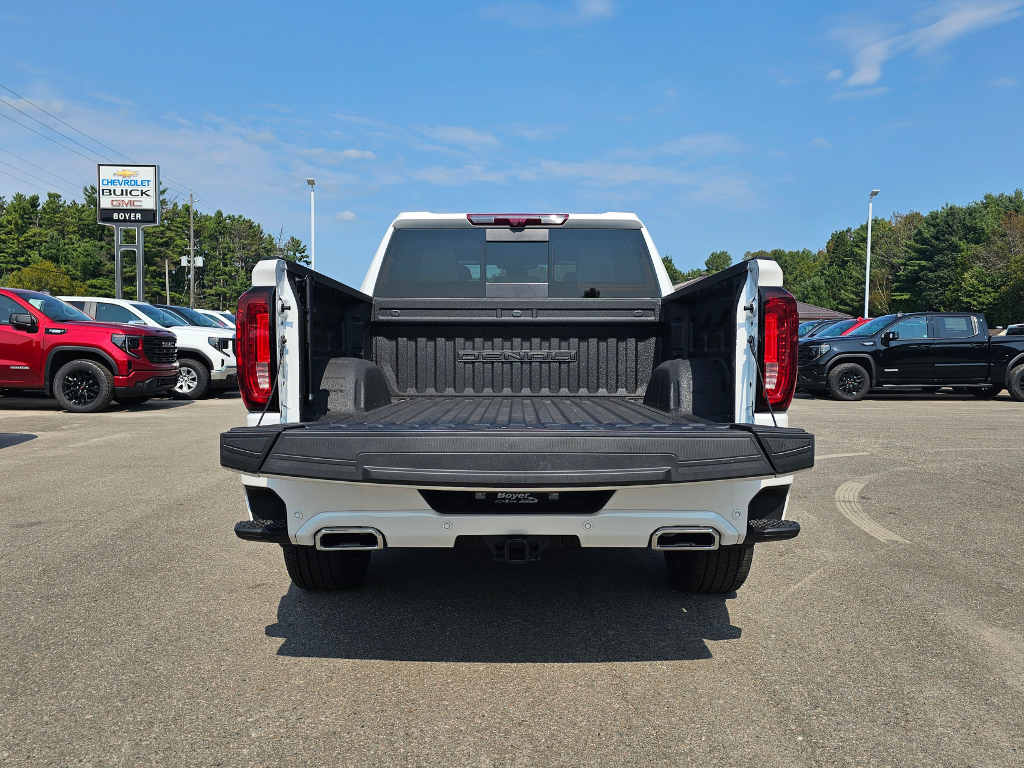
x: 519, y: 458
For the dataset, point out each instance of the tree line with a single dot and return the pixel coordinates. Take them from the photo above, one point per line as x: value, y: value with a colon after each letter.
x: 954, y: 259
x: 56, y: 244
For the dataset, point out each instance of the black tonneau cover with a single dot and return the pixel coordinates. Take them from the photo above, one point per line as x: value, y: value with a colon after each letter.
x: 519, y: 442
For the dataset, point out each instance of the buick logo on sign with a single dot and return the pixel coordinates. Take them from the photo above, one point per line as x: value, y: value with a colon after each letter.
x: 516, y: 356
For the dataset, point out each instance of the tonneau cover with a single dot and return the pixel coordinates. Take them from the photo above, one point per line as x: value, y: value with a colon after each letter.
x: 518, y: 442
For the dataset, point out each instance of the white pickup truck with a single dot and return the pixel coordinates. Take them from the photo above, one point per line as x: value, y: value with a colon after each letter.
x: 517, y: 382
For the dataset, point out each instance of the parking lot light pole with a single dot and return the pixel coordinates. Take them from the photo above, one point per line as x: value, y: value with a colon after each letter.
x: 312, y: 226
x: 867, y: 268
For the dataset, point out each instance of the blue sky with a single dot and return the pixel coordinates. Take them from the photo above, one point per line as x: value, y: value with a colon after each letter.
x: 733, y: 126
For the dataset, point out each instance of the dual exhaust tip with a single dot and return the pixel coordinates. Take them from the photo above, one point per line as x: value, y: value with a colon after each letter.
x: 675, y: 538
x: 336, y: 539
x: 666, y: 539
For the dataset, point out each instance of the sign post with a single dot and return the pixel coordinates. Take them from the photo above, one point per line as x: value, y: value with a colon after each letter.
x: 128, y: 198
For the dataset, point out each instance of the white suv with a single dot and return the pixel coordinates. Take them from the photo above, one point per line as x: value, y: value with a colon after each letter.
x: 206, y: 356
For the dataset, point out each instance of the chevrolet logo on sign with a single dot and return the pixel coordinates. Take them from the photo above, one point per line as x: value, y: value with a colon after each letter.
x: 126, y: 173
x: 516, y: 356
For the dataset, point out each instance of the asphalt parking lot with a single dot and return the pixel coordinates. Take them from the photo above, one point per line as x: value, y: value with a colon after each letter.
x: 137, y: 630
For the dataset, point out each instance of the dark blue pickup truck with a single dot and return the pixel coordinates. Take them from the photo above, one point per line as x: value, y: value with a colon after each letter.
x: 920, y: 350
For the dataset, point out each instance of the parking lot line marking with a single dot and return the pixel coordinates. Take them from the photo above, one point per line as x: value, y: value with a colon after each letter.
x: 840, y: 455
x: 848, y: 503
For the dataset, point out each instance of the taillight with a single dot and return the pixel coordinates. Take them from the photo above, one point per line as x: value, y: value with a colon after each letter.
x: 518, y: 219
x: 254, y: 344
x: 779, y: 321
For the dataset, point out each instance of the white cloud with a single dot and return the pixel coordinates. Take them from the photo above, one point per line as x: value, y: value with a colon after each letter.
x: 872, y: 46
x: 332, y: 156
x: 344, y: 216
x: 538, y: 132
x: 1004, y: 82
x: 111, y: 99
x: 467, y: 137
x: 703, y: 144
x: 820, y: 143
x: 834, y: 74
x: 533, y: 14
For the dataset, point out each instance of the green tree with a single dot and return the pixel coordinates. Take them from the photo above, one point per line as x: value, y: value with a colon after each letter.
x: 717, y: 261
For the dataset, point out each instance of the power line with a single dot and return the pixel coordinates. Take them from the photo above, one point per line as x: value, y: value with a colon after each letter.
x: 32, y: 175
x: 64, y: 135
x: 48, y: 138
x: 5, y: 173
x: 69, y: 181
x: 67, y: 124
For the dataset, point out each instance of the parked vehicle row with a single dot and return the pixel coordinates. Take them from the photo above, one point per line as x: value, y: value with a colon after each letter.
x: 206, y: 356
x: 920, y: 350
x: 87, y: 351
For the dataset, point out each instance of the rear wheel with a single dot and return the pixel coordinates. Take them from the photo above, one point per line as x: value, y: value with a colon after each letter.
x: 83, y: 386
x: 1016, y: 383
x: 716, y: 571
x: 130, y: 400
x: 317, y: 571
x: 849, y: 381
x: 193, y: 379
x: 986, y: 392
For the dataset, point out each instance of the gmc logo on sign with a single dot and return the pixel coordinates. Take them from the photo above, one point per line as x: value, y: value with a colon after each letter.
x: 516, y: 356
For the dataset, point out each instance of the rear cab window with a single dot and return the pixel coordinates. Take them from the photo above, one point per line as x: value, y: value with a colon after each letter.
x: 956, y: 327
x: 572, y: 263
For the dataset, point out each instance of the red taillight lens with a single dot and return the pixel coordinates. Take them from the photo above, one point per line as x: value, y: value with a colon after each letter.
x: 254, y: 341
x: 518, y: 219
x: 779, y: 321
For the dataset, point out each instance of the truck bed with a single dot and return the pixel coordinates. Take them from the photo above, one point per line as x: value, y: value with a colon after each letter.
x: 517, y: 442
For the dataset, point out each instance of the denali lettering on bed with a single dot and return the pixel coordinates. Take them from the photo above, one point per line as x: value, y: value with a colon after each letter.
x: 518, y: 382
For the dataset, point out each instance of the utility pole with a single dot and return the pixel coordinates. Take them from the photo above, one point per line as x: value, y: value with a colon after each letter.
x: 167, y: 279
x: 867, y: 268
x: 191, y: 252
x: 312, y: 226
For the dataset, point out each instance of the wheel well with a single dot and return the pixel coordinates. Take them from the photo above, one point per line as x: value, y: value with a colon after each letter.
x: 63, y: 355
x: 192, y: 354
x: 1013, y: 364
x: 862, y: 360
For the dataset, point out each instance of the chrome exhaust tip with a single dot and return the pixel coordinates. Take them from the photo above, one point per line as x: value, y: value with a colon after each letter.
x: 334, y: 539
x: 677, y: 538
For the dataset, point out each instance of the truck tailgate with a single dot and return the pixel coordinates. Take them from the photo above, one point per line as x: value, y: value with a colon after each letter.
x: 518, y: 442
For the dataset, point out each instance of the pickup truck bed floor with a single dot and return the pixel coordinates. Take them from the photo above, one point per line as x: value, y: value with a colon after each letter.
x: 567, y: 413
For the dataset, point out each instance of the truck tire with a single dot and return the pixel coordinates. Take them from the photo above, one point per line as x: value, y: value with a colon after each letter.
x: 712, y: 572
x: 83, y: 386
x: 130, y: 400
x: 317, y: 571
x: 849, y: 381
x: 193, y: 379
x: 1016, y: 383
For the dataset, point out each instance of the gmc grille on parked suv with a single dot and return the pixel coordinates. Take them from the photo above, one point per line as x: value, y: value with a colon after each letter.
x: 160, y: 350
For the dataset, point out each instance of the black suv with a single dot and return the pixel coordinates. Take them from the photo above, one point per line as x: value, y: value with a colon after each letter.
x: 921, y: 350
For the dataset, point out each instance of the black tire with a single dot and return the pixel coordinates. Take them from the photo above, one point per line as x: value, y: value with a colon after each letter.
x: 711, y: 572
x: 1016, y: 383
x: 130, y: 400
x: 849, y: 381
x: 83, y: 386
x: 986, y: 392
x: 317, y: 571
x: 193, y: 379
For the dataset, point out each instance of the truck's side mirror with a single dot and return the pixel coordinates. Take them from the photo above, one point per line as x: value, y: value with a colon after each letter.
x: 890, y: 336
x: 23, y: 321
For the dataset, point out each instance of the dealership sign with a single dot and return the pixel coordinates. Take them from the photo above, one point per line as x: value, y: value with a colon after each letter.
x: 128, y: 195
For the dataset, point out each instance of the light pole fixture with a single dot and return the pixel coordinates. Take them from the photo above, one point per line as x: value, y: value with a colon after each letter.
x: 312, y: 226
x: 867, y: 267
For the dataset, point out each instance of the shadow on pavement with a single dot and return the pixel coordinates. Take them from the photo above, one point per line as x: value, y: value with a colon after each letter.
x: 9, y: 439
x: 40, y: 402
x: 457, y: 605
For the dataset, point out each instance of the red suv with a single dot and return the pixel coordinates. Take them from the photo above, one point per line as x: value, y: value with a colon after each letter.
x: 46, y: 344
